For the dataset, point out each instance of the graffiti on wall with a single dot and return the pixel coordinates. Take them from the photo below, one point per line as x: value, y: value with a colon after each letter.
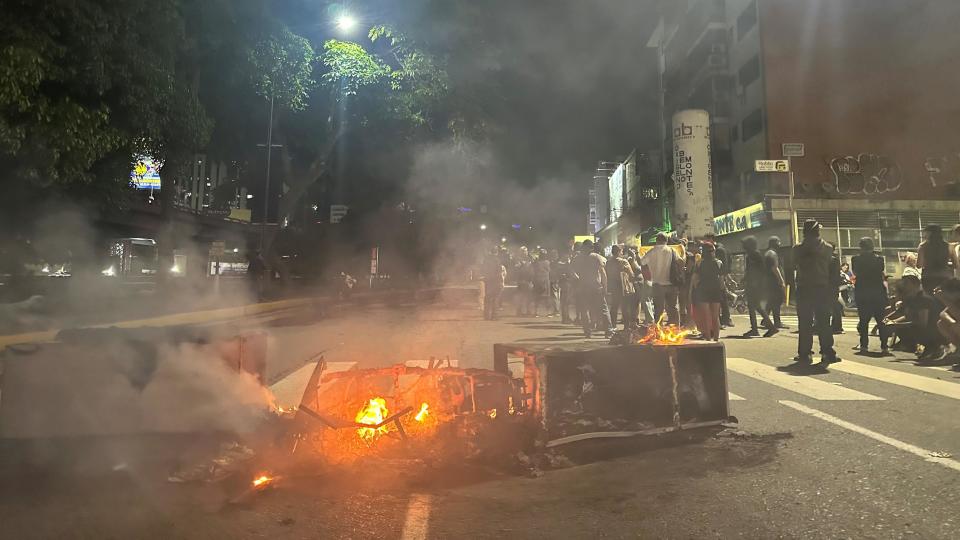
x: 865, y: 174
x: 943, y: 170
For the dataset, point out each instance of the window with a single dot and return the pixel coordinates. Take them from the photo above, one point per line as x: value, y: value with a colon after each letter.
x: 752, y: 124
x: 749, y: 72
x: 747, y: 20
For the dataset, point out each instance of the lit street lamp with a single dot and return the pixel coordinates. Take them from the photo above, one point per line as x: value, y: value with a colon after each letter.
x: 483, y: 227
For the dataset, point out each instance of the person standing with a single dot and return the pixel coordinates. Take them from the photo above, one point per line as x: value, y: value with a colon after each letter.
x: 554, y: 283
x: 933, y: 257
x: 662, y: 263
x: 707, y: 292
x: 541, y: 283
x: 776, y: 285
x: 839, y: 279
x: 590, y: 267
x: 494, y: 280
x: 755, y: 287
x: 870, y: 293
x: 724, y: 259
x: 815, y: 294
x: 620, y: 288
x: 566, y: 288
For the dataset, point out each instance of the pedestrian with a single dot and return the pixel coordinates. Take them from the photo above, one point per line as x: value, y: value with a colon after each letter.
x: 691, y: 249
x: 541, y: 284
x: 554, y: 260
x: 590, y: 267
x: 815, y: 294
x: 755, y: 286
x: 724, y: 258
x: 776, y: 284
x: 871, y: 295
x: 910, y: 266
x: 916, y: 321
x: 933, y: 258
x: 839, y: 279
x: 620, y: 288
x: 665, y: 268
x: 256, y: 269
x: 640, y: 287
x: 524, y: 276
x: 581, y: 312
x: 566, y: 285
x: 494, y: 279
x: 707, y: 292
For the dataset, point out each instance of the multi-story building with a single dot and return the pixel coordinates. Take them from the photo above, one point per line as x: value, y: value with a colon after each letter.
x: 869, y: 88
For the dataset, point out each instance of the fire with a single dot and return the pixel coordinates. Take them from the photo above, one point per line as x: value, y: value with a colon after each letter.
x: 373, y: 413
x: 422, y: 415
x: 492, y: 413
x: 262, y: 480
x: 661, y: 334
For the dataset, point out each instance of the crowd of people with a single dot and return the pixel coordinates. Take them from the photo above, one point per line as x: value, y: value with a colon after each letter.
x: 688, y: 283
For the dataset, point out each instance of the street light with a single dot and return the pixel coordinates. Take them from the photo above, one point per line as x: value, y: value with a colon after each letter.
x: 483, y: 226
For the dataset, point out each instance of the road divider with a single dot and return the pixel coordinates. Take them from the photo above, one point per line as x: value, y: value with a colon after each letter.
x: 805, y: 385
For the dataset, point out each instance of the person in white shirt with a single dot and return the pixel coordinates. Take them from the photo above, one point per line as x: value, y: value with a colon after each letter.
x: 659, y: 261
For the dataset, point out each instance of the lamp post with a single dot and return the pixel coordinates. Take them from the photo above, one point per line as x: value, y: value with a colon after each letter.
x: 266, y: 193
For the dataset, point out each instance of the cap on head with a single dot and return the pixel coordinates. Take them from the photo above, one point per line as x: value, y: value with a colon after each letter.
x: 811, y: 227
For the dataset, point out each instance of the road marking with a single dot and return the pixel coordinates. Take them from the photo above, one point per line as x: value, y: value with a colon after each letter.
x: 893, y: 376
x: 416, y: 524
x: 734, y: 397
x: 927, y: 455
x: 808, y: 386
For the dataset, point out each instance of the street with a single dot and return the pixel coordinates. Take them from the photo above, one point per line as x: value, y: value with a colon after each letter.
x: 864, y: 450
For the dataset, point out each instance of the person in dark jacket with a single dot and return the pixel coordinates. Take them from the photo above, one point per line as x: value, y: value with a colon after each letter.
x: 870, y: 293
x: 776, y: 285
x: 816, y: 294
x: 755, y: 286
x: 724, y: 259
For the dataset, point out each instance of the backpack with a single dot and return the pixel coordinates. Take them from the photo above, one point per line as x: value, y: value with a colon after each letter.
x: 677, y: 270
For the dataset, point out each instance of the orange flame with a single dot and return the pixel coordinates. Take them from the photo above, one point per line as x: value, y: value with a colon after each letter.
x: 373, y: 413
x: 262, y: 480
x: 422, y: 415
x: 670, y: 334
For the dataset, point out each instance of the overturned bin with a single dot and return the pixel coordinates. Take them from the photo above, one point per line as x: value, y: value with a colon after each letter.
x: 585, y: 392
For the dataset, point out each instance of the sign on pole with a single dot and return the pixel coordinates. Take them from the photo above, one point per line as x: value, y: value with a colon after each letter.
x: 792, y: 149
x: 337, y: 212
x: 772, y: 165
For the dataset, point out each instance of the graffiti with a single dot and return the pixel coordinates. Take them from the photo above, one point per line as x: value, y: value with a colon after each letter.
x: 944, y: 170
x: 865, y: 174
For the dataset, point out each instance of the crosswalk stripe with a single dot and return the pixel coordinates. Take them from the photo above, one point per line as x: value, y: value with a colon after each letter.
x: 807, y: 386
x: 734, y: 397
x: 901, y: 378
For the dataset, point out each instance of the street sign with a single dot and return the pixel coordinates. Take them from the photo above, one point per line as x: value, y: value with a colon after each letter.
x: 772, y: 165
x: 792, y: 149
x: 337, y: 212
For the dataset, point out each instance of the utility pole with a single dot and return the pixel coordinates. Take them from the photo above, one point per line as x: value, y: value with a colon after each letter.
x: 266, y: 193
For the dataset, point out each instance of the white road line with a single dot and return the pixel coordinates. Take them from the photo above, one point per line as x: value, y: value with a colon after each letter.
x: 808, y: 386
x: 927, y: 455
x: 893, y: 376
x: 734, y: 397
x: 417, y: 522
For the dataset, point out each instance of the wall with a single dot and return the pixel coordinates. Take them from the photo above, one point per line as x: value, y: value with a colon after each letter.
x: 871, y: 77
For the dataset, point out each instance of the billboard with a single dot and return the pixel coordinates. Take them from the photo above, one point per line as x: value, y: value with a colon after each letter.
x: 145, y: 173
x: 616, y: 185
x: 692, y: 174
x: 743, y: 219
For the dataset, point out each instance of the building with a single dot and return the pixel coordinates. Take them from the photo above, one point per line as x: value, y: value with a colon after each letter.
x: 868, y: 87
x: 625, y: 199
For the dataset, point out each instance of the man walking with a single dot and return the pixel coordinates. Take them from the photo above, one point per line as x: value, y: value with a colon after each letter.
x: 755, y: 287
x: 776, y: 285
x: 660, y: 260
x: 590, y: 267
x: 815, y: 294
x: 620, y: 288
x: 870, y: 293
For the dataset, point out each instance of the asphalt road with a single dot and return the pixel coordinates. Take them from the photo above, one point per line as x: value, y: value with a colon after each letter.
x: 870, y: 448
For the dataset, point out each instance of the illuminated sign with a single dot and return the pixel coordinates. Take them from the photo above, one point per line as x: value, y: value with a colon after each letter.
x: 616, y: 192
x: 145, y: 173
x: 739, y: 220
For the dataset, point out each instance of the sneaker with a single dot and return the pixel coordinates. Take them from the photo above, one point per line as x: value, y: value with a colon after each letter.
x: 838, y: 332
x: 771, y: 332
x: 782, y: 326
x: 826, y: 360
x: 753, y: 332
x: 728, y: 324
x: 861, y: 348
x: 885, y: 352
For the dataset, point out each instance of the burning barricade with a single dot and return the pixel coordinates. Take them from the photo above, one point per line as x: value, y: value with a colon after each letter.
x: 433, y: 413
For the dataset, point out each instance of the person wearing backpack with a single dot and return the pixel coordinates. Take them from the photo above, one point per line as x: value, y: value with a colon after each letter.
x: 666, y: 273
